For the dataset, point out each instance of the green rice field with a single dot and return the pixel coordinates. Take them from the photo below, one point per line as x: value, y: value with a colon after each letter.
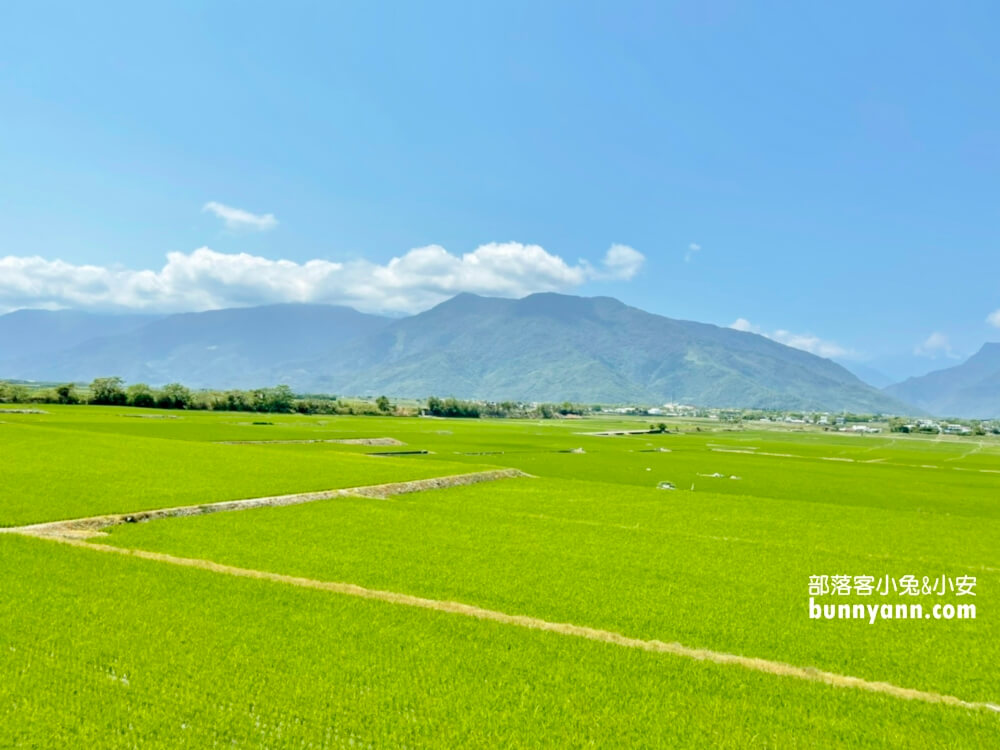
x: 103, y: 649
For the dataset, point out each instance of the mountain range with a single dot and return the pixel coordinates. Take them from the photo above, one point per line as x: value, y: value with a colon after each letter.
x: 971, y: 389
x: 233, y: 348
x: 30, y: 333
x: 544, y: 347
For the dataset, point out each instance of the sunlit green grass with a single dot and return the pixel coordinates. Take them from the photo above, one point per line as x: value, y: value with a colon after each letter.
x: 102, y: 651
x: 212, y: 660
x: 51, y: 474
x: 722, y: 573
x: 812, y: 479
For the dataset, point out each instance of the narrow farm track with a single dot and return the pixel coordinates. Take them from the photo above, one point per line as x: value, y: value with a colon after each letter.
x: 532, y: 623
x: 82, y: 528
x: 979, y: 447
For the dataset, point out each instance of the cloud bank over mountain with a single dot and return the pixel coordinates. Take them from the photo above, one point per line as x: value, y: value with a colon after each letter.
x: 807, y: 342
x: 206, y: 279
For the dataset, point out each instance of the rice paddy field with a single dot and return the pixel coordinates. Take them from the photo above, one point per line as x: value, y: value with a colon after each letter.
x: 576, y: 602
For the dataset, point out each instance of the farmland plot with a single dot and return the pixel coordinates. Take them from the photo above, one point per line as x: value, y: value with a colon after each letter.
x: 669, y: 617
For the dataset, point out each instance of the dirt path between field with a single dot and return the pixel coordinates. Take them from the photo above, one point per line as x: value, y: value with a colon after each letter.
x: 979, y: 447
x: 84, y: 528
x: 533, y: 623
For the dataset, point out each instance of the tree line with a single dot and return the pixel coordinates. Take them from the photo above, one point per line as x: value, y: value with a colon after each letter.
x: 452, y: 407
x: 112, y: 391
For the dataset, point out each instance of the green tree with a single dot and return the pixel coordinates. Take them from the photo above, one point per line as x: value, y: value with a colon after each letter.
x: 235, y: 401
x: 66, y: 394
x: 173, y: 396
x: 13, y: 393
x: 140, y: 394
x: 382, y: 402
x: 279, y: 399
x: 452, y: 407
x: 108, y: 391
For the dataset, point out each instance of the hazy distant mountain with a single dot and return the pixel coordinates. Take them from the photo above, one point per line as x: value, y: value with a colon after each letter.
x: 545, y: 347
x: 235, y: 348
x: 971, y: 389
x: 867, y: 374
x: 25, y: 333
x: 899, y: 365
x: 554, y: 347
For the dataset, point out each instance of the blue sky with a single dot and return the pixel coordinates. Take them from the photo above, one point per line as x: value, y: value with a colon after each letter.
x: 836, y: 167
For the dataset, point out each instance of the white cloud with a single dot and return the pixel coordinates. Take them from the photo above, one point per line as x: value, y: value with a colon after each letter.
x: 237, y: 218
x: 206, y: 279
x: 805, y: 341
x: 621, y: 263
x: 935, y: 345
x: 693, y: 249
x: 994, y: 318
x: 808, y: 342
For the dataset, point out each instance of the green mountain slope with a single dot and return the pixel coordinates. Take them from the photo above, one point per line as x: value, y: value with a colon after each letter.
x: 234, y: 348
x: 545, y: 347
x: 554, y: 347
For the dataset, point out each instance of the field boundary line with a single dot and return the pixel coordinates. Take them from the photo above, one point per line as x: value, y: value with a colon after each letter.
x: 83, y: 528
x: 777, y: 668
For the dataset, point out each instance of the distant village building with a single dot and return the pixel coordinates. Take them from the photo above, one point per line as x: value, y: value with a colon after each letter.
x: 957, y: 429
x: 862, y: 428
